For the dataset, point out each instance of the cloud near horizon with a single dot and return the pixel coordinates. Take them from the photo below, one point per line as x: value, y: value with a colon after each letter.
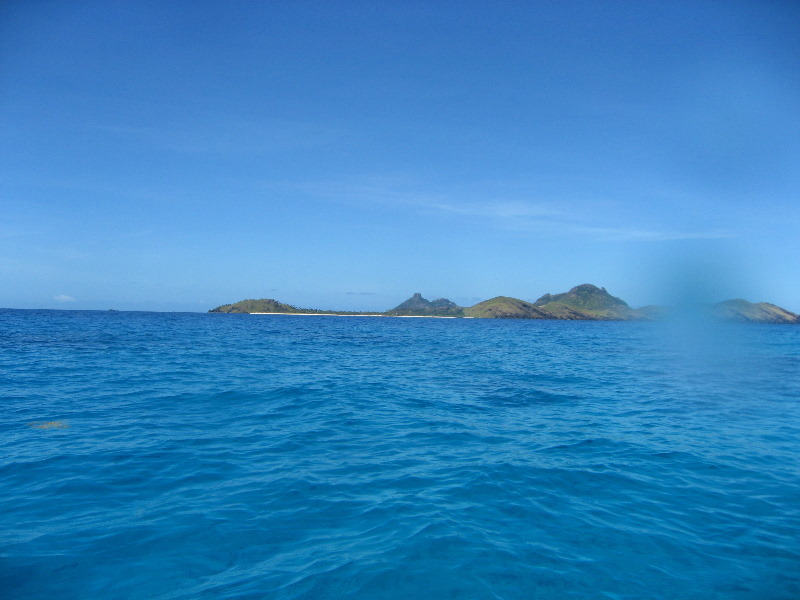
x: 64, y: 298
x: 542, y: 219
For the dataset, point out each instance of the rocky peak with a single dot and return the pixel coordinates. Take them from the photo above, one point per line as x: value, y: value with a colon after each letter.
x: 585, y: 296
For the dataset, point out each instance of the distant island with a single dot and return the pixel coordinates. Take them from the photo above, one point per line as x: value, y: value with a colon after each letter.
x: 268, y: 306
x: 584, y: 302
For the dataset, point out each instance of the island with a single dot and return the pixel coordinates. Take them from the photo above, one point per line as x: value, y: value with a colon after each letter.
x: 267, y: 306
x: 585, y: 302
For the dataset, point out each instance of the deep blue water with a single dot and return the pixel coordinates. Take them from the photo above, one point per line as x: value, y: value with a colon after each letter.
x: 248, y: 456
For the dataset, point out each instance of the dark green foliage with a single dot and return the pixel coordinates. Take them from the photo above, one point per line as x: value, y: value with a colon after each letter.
x: 584, y: 302
x: 503, y: 307
x: 267, y: 305
x: 417, y: 306
x: 587, y: 301
x: 585, y: 296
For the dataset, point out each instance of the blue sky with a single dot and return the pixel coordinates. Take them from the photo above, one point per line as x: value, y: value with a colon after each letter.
x: 344, y: 155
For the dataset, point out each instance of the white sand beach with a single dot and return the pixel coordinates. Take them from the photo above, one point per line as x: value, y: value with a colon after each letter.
x: 338, y: 315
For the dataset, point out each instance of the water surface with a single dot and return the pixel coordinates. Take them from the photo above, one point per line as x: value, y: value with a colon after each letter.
x: 175, y: 456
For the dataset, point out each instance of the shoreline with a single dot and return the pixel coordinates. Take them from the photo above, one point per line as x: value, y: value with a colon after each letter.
x: 338, y: 315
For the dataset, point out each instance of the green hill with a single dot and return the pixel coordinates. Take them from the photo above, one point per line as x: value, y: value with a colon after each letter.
x: 419, y: 306
x: 265, y: 305
x: 749, y: 312
x: 590, y: 302
x: 584, y: 302
x: 585, y: 296
x: 504, y: 307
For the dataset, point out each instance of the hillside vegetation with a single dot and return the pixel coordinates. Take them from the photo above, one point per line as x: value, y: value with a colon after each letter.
x: 585, y: 302
x: 264, y: 305
x: 503, y: 307
x: 418, y: 306
x: 749, y: 312
x: 268, y: 305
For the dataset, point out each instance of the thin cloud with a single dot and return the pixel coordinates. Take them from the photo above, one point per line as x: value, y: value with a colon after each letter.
x: 638, y: 235
x: 561, y: 218
x: 64, y: 298
x: 545, y: 220
x: 360, y: 293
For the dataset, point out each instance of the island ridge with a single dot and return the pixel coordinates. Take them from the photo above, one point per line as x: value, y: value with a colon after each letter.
x: 584, y: 302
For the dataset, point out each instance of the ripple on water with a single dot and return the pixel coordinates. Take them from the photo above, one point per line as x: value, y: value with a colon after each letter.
x: 241, y: 457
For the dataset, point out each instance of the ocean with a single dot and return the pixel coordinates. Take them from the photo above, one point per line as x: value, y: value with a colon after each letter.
x: 183, y: 455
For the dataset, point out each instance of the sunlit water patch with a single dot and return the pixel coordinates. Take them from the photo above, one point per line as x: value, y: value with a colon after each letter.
x: 176, y: 456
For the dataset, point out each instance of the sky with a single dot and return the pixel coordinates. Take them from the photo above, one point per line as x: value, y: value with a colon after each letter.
x: 181, y: 155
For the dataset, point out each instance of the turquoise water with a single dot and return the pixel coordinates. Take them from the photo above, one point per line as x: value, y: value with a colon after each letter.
x: 248, y: 456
